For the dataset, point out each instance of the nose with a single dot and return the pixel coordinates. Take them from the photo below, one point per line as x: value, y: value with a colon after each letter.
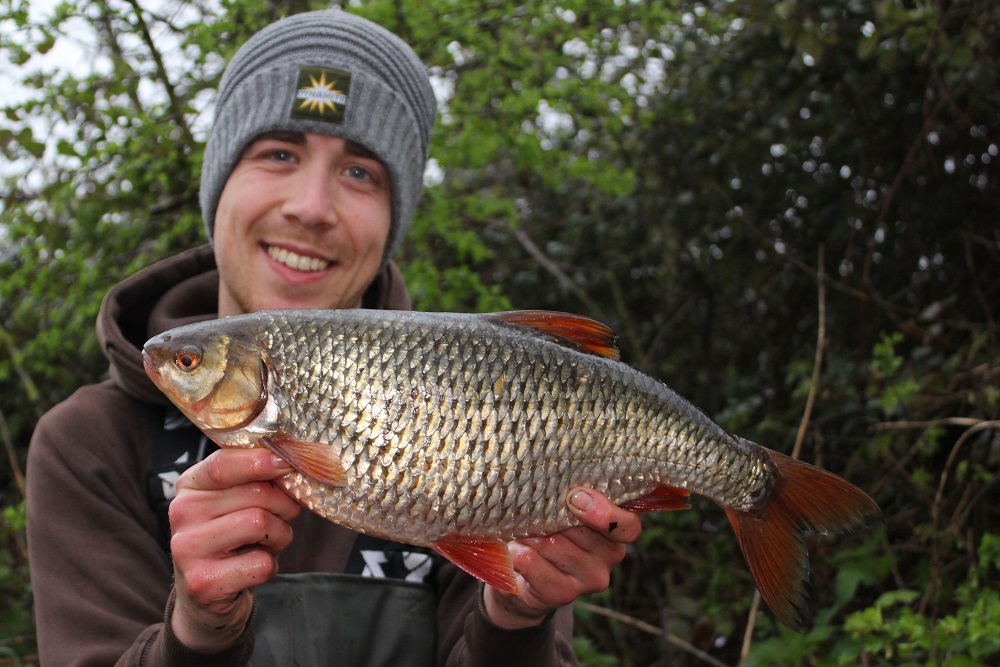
x: 309, y: 199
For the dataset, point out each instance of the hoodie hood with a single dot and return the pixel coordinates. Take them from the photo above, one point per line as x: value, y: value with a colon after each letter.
x: 182, y: 290
x: 178, y: 290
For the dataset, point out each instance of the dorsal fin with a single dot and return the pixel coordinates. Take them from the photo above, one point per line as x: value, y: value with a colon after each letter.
x: 573, y: 331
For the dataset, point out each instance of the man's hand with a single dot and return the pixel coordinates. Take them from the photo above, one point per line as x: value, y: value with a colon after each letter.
x: 553, y: 571
x: 228, y: 524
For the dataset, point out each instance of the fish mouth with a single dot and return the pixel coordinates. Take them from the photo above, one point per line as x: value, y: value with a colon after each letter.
x: 296, y: 261
x: 149, y: 364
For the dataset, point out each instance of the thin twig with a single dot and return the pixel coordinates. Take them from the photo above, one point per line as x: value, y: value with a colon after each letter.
x: 31, y: 391
x: 962, y: 514
x: 15, y: 466
x: 803, y: 427
x: 124, y: 73
x: 817, y: 360
x: 984, y: 301
x: 748, y: 632
x: 909, y: 161
x: 939, y: 497
x: 934, y: 586
x: 536, y: 253
x: 932, y: 423
x: 174, y: 102
x: 15, y: 661
x: 651, y: 629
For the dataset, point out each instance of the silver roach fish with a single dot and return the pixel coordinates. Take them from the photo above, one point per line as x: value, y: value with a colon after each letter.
x: 462, y: 432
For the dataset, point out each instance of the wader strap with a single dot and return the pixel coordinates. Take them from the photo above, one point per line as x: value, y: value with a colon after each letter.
x: 344, y: 620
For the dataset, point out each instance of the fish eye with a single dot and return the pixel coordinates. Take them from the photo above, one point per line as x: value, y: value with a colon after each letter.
x: 188, y: 358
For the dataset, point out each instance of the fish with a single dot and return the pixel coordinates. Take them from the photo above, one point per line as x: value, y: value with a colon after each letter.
x: 462, y: 432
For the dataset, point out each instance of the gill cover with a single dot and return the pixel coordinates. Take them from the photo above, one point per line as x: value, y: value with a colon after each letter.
x: 218, y: 380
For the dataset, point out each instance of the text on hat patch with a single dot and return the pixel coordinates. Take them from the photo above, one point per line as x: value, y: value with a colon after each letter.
x: 321, y: 94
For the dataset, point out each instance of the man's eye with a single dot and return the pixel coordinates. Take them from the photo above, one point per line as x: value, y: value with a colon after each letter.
x: 281, y: 155
x: 360, y: 173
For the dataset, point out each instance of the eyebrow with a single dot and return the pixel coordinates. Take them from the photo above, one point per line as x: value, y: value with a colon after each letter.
x: 289, y: 136
x: 358, y: 150
x: 299, y: 139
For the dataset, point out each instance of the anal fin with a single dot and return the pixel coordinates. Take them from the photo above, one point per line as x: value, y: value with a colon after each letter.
x: 661, y: 499
x: 485, y: 559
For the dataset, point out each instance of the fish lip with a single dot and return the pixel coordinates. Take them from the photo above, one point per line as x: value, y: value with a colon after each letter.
x: 149, y: 364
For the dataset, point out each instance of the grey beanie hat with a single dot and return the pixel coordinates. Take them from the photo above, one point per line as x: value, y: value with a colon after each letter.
x: 326, y: 72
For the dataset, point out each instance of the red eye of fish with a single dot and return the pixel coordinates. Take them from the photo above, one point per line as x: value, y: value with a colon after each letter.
x: 188, y: 358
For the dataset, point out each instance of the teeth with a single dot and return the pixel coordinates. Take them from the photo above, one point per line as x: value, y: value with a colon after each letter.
x: 295, y: 261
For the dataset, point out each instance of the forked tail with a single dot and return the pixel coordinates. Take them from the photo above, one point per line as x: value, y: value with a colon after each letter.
x: 773, y: 537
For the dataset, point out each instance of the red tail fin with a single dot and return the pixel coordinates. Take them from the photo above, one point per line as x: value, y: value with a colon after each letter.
x: 773, y: 537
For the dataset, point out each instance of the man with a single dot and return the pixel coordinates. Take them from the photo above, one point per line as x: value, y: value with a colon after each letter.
x: 311, y: 175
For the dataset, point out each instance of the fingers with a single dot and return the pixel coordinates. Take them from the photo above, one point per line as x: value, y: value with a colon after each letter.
x: 603, y: 516
x: 213, y: 626
x: 553, y: 571
x: 228, y: 533
x: 226, y: 503
x: 228, y: 524
x: 227, y: 468
x: 196, y: 505
x: 210, y: 584
x: 228, y: 480
x: 558, y: 569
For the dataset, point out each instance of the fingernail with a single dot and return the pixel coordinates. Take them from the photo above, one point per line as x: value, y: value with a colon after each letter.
x: 581, y: 500
x: 515, y: 549
x: 279, y: 463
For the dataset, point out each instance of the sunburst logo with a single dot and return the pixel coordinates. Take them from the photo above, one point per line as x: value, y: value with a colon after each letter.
x: 321, y: 94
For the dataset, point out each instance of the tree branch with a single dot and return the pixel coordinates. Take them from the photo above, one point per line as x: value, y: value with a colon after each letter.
x: 176, y: 108
x: 550, y: 267
x: 15, y: 465
x: 651, y: 629
x: 123, y: 71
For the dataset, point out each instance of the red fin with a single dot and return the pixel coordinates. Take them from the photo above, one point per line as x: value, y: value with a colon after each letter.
x: 573, y: 331
x: 660, y: 499
x: 312, y: 459
x: 773, y: 537
x: 486, y: 560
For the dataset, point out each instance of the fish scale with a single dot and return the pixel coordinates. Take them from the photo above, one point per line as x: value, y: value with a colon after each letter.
x: 465, y: 431
x: 377, y: 366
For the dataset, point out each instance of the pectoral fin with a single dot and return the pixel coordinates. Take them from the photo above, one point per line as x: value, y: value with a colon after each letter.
x: 486, y: 560
x: 312, y: 459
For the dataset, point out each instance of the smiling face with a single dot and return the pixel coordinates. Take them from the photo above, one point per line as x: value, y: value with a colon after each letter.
x: 302, y: 222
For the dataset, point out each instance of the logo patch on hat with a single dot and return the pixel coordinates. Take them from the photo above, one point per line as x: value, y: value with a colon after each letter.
x: 321, y: 94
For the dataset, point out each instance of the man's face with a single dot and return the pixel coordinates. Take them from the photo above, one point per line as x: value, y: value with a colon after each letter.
x: 302, y: 222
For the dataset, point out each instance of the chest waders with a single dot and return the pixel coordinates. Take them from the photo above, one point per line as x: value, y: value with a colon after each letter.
x: 320, y: 618
x: 345, y: 620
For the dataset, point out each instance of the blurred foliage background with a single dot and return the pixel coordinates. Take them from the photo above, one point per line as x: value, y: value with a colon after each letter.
x: 790, y: 212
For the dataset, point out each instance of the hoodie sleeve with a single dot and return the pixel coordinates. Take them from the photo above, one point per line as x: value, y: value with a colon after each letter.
x: 467, y: 638
x: 101, y: 581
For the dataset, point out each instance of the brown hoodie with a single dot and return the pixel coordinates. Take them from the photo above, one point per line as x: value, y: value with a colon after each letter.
x: 101, y: 581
